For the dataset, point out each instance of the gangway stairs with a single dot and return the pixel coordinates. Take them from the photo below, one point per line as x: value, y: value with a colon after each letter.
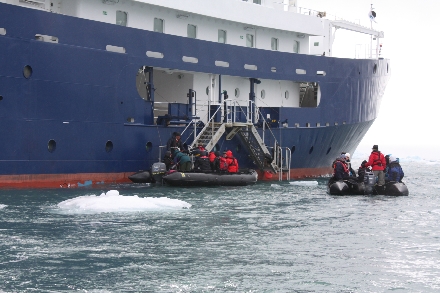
x: 255, y: 146
x: 209, y: 135
x: 248, y: 134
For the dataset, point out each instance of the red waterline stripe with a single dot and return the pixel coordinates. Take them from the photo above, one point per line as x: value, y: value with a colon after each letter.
x: 298, y: 173
x: 61, y: 180
x: 91, y: 179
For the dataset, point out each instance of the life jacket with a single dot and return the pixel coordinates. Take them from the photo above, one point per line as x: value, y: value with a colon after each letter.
x: 232, y: 164
x: 212, y: 157
x: 343, y: 165
x: 223, y: 164
x: 378, y: 161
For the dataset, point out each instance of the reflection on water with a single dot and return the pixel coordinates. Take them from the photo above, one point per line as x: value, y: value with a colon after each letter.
x: 271, y: 237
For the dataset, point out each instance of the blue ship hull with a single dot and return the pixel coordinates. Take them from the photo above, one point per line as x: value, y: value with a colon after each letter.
x: 56, y: 124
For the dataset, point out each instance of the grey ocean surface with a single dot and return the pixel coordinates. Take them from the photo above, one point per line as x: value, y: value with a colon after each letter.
x: 270, y: 237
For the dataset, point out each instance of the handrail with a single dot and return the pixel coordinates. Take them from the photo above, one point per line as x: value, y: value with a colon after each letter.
x: 207, y: 125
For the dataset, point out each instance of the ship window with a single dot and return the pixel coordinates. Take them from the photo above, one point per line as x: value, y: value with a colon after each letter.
x: 273, y: 69
x: 274, y: 44
x: 249, y: 40
x: 207, y: 90
x: 295, y: 47
x: 237, y: 92
x: 158, y: 25
x: 329, y: 149
x: 263, y: 94
x: 316, y: 44
x: 375, y: 68
x: 51, y: 146
x: 222, y: 36
x: 286, y: 95
x: 192, y: 31
x: 121, y: 18
x: 108, y: 146
x: 2, y: 31
x: 27, y: 71
x: 257, y: 2
x: 318, y: 124
x: 1, y: 98
x: 149, y: 146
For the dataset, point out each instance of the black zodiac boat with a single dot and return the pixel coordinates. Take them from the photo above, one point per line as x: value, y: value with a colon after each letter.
x: 158, y: 174
x: 367, y: 187
x: 210, y: 179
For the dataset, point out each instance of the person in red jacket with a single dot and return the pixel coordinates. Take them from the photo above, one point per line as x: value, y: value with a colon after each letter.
x: 222, y: 163
x: 377, y: 163
x: 232, y: 162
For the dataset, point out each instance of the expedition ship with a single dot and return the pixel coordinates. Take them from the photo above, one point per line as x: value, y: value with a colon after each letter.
x: 91, y: 90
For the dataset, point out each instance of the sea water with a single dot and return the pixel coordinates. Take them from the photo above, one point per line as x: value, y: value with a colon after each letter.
x: 268, y: 237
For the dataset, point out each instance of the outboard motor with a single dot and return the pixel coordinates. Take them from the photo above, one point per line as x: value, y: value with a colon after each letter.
x: 157, y: 171
x: 369, y: 182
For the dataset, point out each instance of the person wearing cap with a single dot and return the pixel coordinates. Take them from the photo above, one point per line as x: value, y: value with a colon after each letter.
x: 377, y: 163
x: 201, y: 164
x: 174, y: 142
x: 395, y: 172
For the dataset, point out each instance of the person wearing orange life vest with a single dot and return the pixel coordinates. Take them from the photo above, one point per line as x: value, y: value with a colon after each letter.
x: 377, y: 163
x: 232, y: 162
x: 340, y: 169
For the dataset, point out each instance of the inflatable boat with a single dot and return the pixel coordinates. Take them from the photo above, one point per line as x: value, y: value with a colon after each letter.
x: 352, y: 186
x: 210, y: 179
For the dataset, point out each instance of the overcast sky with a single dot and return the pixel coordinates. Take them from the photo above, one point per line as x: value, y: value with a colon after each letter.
x: 409, y: 117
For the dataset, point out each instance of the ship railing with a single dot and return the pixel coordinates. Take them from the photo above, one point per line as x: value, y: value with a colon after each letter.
x: 283, y: 161
x: 209, y: 123
x: 234, y: 109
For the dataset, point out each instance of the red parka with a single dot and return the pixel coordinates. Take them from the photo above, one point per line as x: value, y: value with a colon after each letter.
x: 376, y: 161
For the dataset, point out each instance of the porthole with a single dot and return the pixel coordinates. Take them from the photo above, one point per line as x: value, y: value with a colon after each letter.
x: 387, y: 67
x: 1, y: 98
x: 149, y: 146
x: 108, y: 146
x: 293, y: 149
x: 286, y: 95
x: 263, y: 94
x: 328, y: 151
x: 311, y: 150
x: 51, y: 146
x: 207, y: 90
x: 238, y: 148
x: 237, y: 92
x: 27, y: 72
x: 375, y: 68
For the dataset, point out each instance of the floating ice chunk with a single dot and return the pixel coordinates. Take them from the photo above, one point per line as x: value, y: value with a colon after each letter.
x: 112, y: 201
x: 2, y: 206
x: 304, y: 183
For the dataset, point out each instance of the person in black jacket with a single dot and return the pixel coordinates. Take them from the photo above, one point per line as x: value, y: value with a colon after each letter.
x: 202, y: 163
x: 174, y: 143
x: 362, y: 170
x: 168, y: 160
